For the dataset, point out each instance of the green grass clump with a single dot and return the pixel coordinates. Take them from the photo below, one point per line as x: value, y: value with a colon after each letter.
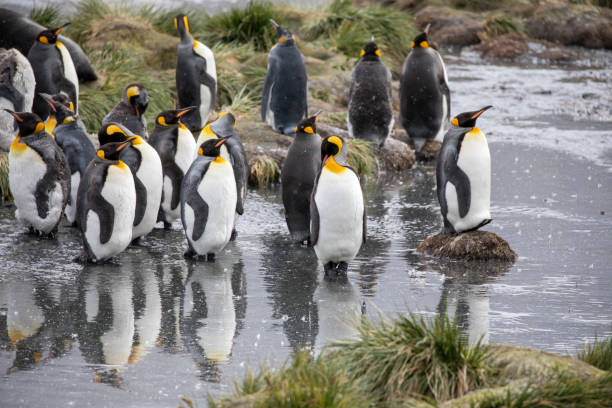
x: 5, y: 191
x: 264, y: 171
x: 361, y: 156
x: 48, y: 16
x: 411, y: 356
x: 598, y: 353
x: 503, y: 24
x: 302, y: 382
x: 478, y: 5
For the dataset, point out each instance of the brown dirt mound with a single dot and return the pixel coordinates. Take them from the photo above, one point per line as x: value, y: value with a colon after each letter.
x: 450, y: 26
x: 430, y: 151
x: 469, y: 246
x: 515, y: 46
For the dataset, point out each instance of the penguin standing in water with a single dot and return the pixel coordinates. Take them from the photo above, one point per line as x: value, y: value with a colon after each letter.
x: 39, y: 176
x: 146, y: 167
x: 370, y: 110
x: 107, y: 202
x: 75, y: 144
x: 129, y: 112
x: 424, y: 93
x: 53, y: 69
x: 176, y: 146
x: 208, y: 201
x: 196, y: 76
x: 463, y: 175
x: 283, y: 102
x: 337, y: 211
x: 298, y: 177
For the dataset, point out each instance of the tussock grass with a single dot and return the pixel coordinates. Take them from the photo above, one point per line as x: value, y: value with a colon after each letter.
x: 47, y: 16
x: 499, y: 24
x: 598, y: 353
x: 361, y: 155
x: 5, y: 191
x: 263, y: 171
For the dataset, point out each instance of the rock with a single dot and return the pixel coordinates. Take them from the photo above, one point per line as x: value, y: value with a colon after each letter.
x: 396, y: 155
x: 450, y: 26
x: 429, y: 151
x: 468, y: 246
x: 324, y: 130
x: 515, y: 46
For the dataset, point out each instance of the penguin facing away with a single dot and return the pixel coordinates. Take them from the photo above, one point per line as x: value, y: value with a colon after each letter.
x: 176, y: 147
x: 106, y: 204
x: 129, y: 112
x: 298, y: 177
x: 284, y: 98
x: 53, y: 69
x: 370, y: 110
x: 39, y: 176
x: 208, y: 201
x: 196, y: 76
x: 424, y: 93
x: 337, y: 211
x: 463, y: 175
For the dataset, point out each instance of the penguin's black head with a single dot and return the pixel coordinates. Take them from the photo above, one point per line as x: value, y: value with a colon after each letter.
x: 137, y: 96
x: 282, y: 34
x: 111, y: 151
x: 64, y: 99
x: 224, y: 125
x: 113, y: 133
x: 468, y: 119
x: 28, y: 122
x: 211, y: 147
x: 49, y: 36
x: 181, y: 23
x: 171, y: 117
x: 370, y: 51
x: 331, y: 147
x: 58, y: 107
x: 421, y: 40
x: 308, y: 125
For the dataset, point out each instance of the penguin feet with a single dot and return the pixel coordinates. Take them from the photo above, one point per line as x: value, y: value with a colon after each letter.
x: 210, y: 257
x: 234, y: 235
x: 336, y: 272
x: 167, y: 225
x: 190, y: 253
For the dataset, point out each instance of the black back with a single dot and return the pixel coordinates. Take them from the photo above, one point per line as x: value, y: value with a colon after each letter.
x: 77, y: 146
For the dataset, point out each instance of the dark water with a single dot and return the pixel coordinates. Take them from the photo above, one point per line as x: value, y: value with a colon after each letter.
x: 152, y: 327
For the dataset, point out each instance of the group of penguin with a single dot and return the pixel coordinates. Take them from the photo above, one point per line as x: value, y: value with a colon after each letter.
x: 117, y: 194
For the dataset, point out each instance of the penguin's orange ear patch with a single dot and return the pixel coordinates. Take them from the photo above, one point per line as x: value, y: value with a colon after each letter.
x: 424, y: 44
x: 44, y: 40
x: 455, y: 122
x: 282, y: 39
x: 39, y: 127
x: 309, y: 129
x: 200, y: 151
x: 411, y: 44
x: 100, y: 154
x: 362, y: 53
x: 378, y: 52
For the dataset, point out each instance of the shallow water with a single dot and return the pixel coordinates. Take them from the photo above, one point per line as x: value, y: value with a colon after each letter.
x: 152, y: 327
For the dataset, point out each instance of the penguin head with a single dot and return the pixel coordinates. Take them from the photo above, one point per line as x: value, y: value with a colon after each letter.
x: 113, y: 132
x: 49, y: 36
x: 282, y: 34
x: 224, y: 125
x: 64, y: 99
x: 370, y: 51
x: 308, y: 125
x: 63, y: 114
x: 211, y: 147
x: 181, y: 23
x: 331, y: 147
x: 468, y: 119
x: 28, y: 122
x: 137, y: 96
x: 171, y: 117
x: 421, y: 40
x: 111, y: 151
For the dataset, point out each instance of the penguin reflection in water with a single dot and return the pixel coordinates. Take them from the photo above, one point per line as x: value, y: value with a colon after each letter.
x: 338, y: 217
x: 463, y: 175
x: 39, y: 176
x: 208, y: 201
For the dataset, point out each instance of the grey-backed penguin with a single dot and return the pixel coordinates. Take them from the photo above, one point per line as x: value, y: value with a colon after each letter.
x: 196, y: 76
x: 208, y: 201
x: 284, y: 99
x: 129, y: 112
x: 146, y: 167
x: 424, y: 93
x: 176, y: 147
x: 53, y: 69
x: 61, y: 98
x: 298, y: 177
x: 463, y: 175
x: 16, y: 92
x: 75, y: 144
x: 106, y: 204
x: 370, y: 110
x: 39, y: 176
x: 337, y: 211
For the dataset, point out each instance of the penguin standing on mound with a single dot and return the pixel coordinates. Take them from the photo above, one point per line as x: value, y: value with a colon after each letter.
x: 129, y: 112
x: 39, y: 176
x: 107, y: 202
x: 298, y: 177
x: 77, y: 147
x: 283, y: 102
x: 176, y: 146
x: 146, y: 167
x: 337, y: 211
x: 53, y: 69
x: 424, y: 93
x: 208, y: 201
x: 370, y: 110
x: 463, y: 175
x: 196, y: 76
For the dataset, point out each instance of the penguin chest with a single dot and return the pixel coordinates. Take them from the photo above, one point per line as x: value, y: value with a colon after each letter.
x: 69, y: 71
x: 185, y: 149
x: 150, y: 173
x: 75, y: 180
x: 205, y: 52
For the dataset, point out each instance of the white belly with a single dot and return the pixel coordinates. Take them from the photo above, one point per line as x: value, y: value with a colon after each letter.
x: 444, y: 124
x: 117, y: 342
x: 185, y: 150
x: 340, y: 204
x: 70, y: 210
x: 70, y: 71
x: 205, y: 99
x: 269, y: 114
x: 151, y: 174
x: 148, y: 324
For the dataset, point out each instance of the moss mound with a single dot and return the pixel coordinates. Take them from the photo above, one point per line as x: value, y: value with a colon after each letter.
x: 468, y: 246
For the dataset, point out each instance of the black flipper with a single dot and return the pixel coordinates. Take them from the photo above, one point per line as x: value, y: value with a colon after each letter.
x: 191, y: 197
x: 105, y: 212
x: 314, y: 213
x: 462, y: 185
x: 174, y: 172
x: 200, y: 212
x: 141, y: 200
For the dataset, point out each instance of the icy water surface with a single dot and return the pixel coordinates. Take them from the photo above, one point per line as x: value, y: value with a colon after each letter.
x: 152, y: 327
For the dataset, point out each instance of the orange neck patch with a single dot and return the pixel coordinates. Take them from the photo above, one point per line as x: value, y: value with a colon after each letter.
x: 333, y: 166
x: 18, y: 146
x: 219, y: 160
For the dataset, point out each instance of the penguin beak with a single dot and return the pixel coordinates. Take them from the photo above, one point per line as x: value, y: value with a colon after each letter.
x: 426, y: 30
x: 275, y: 24
x: 324, y: 160
x: 60, y: 28
x: 480, y: 112
x: 221, y: 141
x: 184, y: 111
x: 124, y: 144
x: 316, y: 115
x: 16, y: 116
x: 47, y: 99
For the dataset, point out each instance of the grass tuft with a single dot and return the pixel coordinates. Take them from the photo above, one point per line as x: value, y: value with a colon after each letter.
x: 264, y: 171
x: 47, y: 16
x: 5, y: 191
x: 502, y: 24
x: 361, y: 156
x: 598, y: 353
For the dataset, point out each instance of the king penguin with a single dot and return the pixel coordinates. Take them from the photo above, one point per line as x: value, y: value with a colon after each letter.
x: 107, y: 202
x: 176, y: 147
x: 196, y: 77
x: 337, y: 211
x: 60, y: 98
x: 39, y: 176
x: 424, y: 93
x: 283, y: 102
x: 463, y: 175
x: 208, y: 201
x: 146, y: 167
x: 75, y: 144
x: 129, y: 112
x: 370, y: 110
x: 298, y: 176
x: 53, y: 69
